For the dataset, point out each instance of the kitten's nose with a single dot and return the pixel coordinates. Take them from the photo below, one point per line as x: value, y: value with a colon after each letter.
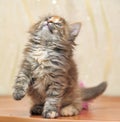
x: 47, y: 23
x: 50, y: 21
x: 54, y: 19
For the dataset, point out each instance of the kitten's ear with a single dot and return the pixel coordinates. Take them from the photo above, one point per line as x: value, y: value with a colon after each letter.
x: 74, y: 30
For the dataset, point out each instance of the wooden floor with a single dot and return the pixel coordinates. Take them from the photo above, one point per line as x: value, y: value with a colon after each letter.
x: 103, y: 109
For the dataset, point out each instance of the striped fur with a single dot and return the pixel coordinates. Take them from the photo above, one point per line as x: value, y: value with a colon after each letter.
x: 48, y: 72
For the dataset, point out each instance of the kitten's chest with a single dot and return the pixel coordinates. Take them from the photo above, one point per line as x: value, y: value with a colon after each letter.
x: 40, y: 70
x: 40, y: 55
x: 40, y: 62
x: 46, y: 64
x: 43, y: 59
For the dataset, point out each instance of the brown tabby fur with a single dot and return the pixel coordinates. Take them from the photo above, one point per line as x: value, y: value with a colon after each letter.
x: 48, y: 72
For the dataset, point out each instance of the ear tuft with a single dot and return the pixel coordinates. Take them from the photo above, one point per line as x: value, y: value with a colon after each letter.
x: 74, y: 30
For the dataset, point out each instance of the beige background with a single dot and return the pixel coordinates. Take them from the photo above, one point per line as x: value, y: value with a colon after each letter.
x: 97, y: 53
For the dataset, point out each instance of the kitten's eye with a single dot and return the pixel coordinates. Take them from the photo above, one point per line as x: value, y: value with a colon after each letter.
x: 59, y: 50
x: 59, y: 24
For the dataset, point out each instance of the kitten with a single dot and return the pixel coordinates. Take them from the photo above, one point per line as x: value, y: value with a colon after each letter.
x: 48, y: 72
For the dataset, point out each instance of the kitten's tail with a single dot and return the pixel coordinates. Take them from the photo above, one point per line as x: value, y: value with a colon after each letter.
x: 93, y: 92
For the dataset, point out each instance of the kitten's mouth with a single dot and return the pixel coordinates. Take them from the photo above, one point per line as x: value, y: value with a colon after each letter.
x: 48, y: 26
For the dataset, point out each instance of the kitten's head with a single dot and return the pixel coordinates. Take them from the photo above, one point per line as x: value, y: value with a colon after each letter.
x: 55, y: 28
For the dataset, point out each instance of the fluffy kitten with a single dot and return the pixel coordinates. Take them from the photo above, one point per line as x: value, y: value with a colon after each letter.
x: 48, y: 73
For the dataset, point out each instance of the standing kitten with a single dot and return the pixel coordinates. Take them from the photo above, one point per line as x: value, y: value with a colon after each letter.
x: 48, y: 73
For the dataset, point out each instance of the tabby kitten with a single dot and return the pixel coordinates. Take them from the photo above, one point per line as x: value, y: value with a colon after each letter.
x: 48, y: 72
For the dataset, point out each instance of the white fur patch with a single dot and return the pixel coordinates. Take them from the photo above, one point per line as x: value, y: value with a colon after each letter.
x: 69, y: 111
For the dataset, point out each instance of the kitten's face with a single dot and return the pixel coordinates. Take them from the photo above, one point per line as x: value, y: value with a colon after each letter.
x: 54, y: 24
x: 55, y: 27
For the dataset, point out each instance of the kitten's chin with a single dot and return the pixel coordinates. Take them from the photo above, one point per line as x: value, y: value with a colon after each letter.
x: 45, y: 28
x: 45, y: 34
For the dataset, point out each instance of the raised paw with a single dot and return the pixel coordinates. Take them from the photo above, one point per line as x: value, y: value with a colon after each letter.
x: 18, y: 94
x: 50, y: 114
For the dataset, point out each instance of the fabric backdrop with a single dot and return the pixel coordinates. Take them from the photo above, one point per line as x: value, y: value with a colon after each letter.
x: 97, y: 53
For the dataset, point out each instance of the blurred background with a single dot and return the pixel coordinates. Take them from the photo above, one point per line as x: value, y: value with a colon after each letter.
x: 97, y: 53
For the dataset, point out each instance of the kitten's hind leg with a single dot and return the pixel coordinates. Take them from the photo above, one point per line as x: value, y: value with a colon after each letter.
x: 70, y: 110
x: 36, y: 110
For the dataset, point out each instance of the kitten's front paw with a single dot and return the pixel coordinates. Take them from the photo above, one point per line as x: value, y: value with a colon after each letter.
x: 18, y: 94
x: 69, y: 111
x: 50, y: 114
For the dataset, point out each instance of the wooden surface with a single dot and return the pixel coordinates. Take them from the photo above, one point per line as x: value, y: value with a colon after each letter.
x: 100, y: 110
